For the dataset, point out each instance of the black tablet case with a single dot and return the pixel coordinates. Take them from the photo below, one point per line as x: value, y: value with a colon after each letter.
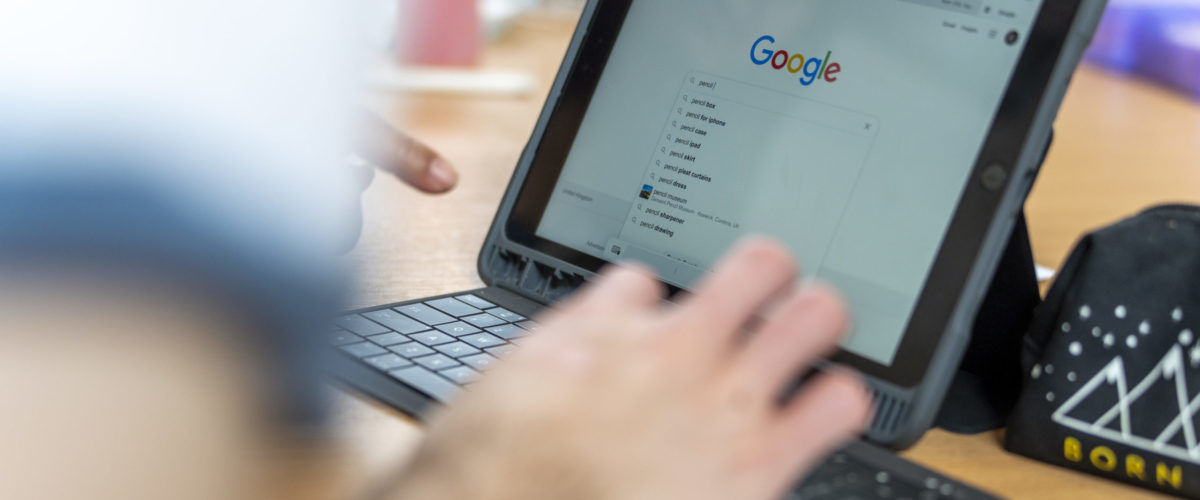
x: 988, y: 382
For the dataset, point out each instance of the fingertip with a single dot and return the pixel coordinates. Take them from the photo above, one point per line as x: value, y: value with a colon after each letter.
x: 763, y: 249
x: 442, y: 176
x: 759, y: 240
x: 624, y: 283
x: 636, y: 272
x: 830, y: 410
x: 630, y: 266
x: 849, y: 396
x: 820, y: 298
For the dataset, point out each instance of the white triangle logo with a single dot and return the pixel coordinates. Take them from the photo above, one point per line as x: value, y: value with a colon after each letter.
x: 1169, y: 370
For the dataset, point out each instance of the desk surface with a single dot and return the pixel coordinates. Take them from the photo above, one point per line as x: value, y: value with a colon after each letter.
x: 1121, y: 146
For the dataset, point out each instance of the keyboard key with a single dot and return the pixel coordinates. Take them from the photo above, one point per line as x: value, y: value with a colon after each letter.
x: 411, y: 350
x: 482, y: 340
x: 360, y: 325
x: 388, y: 339
x: 528, y: 325
x: 484, y: 320
x: 437, y: 362
x: 500, y: 350
x: 457, y: 349
x: 343, y: 337
x: 427, y: 382
x: 453, y: 307
x: 506, y: 315
x: 396, y: 321
x: 458, y: 329
x: 476, y: 301
x: 432, y: 338
x: 507, y: 332
x: 481, y: 362
x: 364, y: 349
x: 388, y: 362
x: 461, y: 375
x: 425, y: 314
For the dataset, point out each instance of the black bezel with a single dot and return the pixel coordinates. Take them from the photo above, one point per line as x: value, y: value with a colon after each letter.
x: 974, y: 216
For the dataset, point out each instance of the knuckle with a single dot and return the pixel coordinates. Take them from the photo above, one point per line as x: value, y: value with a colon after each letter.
x: 701, y: 319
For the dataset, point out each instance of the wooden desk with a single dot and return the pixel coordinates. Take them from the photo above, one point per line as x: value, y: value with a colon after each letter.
x: 1121, y: 146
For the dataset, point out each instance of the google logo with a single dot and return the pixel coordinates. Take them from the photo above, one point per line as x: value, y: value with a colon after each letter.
x: 812, y: 68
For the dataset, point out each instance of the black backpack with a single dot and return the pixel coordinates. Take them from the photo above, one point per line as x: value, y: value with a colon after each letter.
x: 1112, y: 361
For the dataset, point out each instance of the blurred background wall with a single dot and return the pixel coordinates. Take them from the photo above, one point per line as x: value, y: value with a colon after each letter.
x: 1158, y: 40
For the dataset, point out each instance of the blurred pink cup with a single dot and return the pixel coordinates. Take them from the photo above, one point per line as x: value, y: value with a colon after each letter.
x: 439, y: 32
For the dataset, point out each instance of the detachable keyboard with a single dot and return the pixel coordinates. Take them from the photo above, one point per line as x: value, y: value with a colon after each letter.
x: 863, y: 471
x: 413, y: 354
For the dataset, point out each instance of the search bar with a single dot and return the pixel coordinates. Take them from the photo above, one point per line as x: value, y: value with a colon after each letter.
x: 1008, y: 12
x: 961, y: 6
x: 772, y: 101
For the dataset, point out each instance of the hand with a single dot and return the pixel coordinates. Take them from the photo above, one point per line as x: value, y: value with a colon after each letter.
x: 410, y: 160
x: 621, y: 397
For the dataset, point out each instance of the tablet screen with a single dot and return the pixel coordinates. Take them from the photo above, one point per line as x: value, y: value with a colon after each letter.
x: 846, y: 129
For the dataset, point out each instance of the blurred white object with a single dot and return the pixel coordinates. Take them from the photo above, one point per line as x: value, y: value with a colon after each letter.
x: 1045, y: 273
x: 451, y: 81
x: 498, y: 14
x: 380, y: 30
x: 249, y: 103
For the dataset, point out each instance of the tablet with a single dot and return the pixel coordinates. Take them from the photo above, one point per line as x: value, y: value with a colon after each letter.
x: 888, y: 143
